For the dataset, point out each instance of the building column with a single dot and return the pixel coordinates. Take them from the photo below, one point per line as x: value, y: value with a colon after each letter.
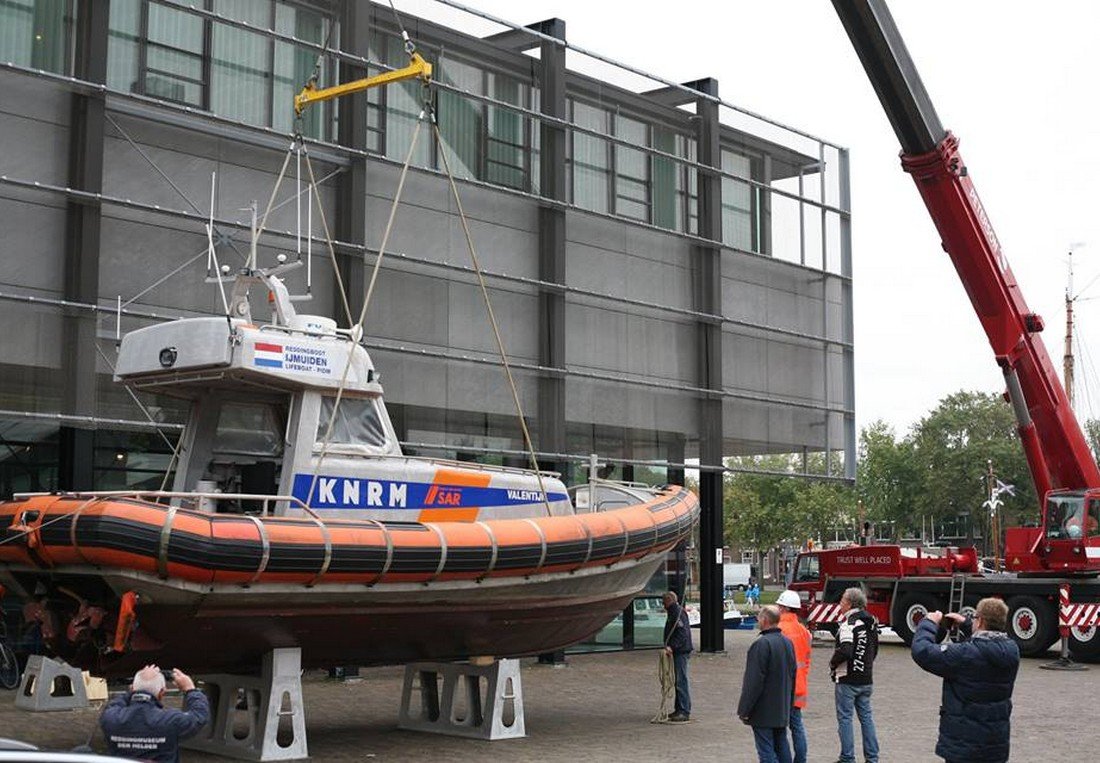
x: 708, y: 299
x: 552, y: 245
x: 551, y: 383
x: 76, y: 455
x: 351, y: 185
x: 847, y: 332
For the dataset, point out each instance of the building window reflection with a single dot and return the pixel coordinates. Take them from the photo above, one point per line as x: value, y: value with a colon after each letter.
x: 740, y: 203
x: 36, y: 33
x: 163, y: 51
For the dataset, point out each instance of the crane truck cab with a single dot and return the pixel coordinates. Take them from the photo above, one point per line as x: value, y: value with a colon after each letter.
x: 1067, y: 541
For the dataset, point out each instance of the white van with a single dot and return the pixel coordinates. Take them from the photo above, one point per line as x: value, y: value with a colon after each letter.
x: 736, y: 576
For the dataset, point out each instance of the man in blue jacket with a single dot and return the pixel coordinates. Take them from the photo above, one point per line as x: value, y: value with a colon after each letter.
x: 137, y: 725
x: 978, y: 675
x: 767, y: 692
x: 678, y: 645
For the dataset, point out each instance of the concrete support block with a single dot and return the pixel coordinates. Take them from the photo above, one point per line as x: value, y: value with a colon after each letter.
x: 464, y: 700
x: 247, y: 712
x: 51, y: 685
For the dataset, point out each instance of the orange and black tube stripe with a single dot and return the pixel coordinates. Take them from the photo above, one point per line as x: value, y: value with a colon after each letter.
x: 54, y: 531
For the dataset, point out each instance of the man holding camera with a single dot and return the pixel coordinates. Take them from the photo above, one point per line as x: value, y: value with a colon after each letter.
x: 136, y: 725
x: 978, y: 673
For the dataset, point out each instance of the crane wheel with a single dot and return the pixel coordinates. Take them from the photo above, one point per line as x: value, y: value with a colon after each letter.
x: 1032, y: 624
x: 1084, y: 644
x: 908, y: 611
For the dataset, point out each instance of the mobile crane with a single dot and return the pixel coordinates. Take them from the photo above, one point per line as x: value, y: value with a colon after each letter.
x: 1052, y: 581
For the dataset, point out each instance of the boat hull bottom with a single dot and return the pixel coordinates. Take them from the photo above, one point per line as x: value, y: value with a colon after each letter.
x: 230, y: 629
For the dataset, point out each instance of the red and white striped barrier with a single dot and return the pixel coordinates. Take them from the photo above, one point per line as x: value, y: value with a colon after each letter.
x: 824, y: 613
x: 1076, y: 615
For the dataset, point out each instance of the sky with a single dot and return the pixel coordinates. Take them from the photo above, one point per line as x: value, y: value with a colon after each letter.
x: 1016, y: 85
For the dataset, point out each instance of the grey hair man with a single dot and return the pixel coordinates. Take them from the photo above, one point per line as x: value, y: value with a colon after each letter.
x: 851, y: 668
x: 137, y: 725
x: 767, y: 691
x: 979, y: 673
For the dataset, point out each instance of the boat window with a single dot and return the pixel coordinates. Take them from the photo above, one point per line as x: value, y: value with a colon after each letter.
x: 247, y: 429
x: 357, y: 422
x: 808, y: 569
x: 1065, y: 517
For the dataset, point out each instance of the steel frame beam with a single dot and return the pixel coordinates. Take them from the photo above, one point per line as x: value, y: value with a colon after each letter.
x: 82, y: 238
x: 552, y: 244
x: 708, y: 299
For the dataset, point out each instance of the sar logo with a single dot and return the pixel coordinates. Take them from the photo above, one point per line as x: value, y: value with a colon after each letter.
x: 443, y: 495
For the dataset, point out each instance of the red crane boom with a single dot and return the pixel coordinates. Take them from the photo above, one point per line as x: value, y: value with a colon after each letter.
x: 1057, y: 452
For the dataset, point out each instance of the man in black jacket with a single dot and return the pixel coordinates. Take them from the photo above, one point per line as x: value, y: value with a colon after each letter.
x: 767, y: 693
x: 137, y: 725
x: 851, y: 667
x: 978, y: 673
x: 678, y: 646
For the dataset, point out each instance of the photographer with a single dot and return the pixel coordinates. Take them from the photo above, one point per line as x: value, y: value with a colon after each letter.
x: 136, y: 725
x: 978, y: 673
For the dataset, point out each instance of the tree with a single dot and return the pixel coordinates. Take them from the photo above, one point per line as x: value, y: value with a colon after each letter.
x: 764, y: 511
x: 820, y: 507
x: 952, y: 446
x: 888, y: 478
x: 1092, y: 434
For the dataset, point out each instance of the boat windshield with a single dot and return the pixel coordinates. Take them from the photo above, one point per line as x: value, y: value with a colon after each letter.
x: 357, y: 422
x: 1065, y: 518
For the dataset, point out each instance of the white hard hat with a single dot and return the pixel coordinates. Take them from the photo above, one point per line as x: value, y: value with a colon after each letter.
x: 789, y: 599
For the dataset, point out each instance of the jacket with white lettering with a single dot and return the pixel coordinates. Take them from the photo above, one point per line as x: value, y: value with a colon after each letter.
x: 856, y: 649
x: 137, y: 726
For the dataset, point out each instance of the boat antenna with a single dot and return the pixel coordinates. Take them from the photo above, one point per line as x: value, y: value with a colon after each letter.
x: 211, y: 251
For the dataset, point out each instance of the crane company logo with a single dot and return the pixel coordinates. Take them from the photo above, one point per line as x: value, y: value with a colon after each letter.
x: 987, y: 229
x: 864, y: 560
x: 268, y: 355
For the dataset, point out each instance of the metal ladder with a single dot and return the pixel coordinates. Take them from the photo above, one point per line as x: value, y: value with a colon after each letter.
x: 956, y: 598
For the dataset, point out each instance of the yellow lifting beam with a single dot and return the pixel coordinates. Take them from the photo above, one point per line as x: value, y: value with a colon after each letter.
x: 418, y: 68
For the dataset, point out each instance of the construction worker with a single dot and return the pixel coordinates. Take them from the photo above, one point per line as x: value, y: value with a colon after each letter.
x: 789, y: 605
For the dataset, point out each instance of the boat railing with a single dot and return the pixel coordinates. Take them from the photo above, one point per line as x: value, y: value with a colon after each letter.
x: 469, y: 465
x: 338, y: 333
x: 197, y: 498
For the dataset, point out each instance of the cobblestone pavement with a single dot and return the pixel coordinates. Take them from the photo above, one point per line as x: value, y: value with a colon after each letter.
x: 598, y: 708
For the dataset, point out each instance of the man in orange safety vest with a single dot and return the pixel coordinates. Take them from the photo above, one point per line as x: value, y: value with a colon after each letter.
x: 789, y: 604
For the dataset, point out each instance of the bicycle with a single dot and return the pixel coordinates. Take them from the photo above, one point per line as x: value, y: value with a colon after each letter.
x: 9, y: 664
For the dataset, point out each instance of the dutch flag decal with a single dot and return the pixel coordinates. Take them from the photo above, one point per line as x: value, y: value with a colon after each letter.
x: 268, y: 355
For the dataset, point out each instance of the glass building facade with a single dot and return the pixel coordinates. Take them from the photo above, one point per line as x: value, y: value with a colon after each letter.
x: 671, y: 277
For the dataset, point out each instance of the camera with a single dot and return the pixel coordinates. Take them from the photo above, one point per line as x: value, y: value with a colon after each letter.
x: 169, y: 675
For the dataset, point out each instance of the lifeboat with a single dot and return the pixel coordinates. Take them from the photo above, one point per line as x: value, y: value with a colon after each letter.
x: 295, y: 520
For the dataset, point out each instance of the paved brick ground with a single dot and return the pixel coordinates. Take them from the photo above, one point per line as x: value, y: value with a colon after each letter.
x: 598, y: 707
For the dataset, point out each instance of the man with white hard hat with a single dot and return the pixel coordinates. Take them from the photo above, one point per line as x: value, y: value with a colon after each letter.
x: 789, y: 605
